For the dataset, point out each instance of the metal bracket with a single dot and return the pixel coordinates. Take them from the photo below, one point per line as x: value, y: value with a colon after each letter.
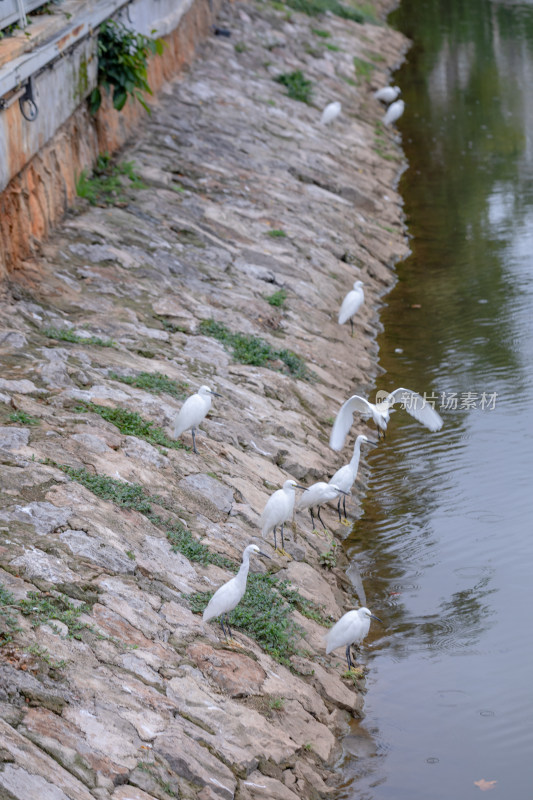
x: 28, y: 106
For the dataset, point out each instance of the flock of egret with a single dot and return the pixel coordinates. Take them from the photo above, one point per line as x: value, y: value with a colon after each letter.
x: 388, y: 95
x: 353, y: 626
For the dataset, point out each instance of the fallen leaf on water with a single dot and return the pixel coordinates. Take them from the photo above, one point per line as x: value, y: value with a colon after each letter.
x: 485, y: 785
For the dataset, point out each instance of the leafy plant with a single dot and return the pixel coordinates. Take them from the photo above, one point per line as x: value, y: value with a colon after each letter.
x: 22, y: 417
x: 8, y: 623
x: 154, y: 382
x: 277, y: 233
x: 329, y: 558
x: 276, y: 703
x: 252, y: 350
x: 297, y: 85
x: 67, y: 335
x: 42, y: 607
x: 278, y: 298
x: 130, y: 423
x: 323, y: 34
x: 122, y: 493
x: 106, y: 186
x: 122, y: 65
x: 264, y: 613
x: 240, y: 47
x: 43, y: 655
x: 182, y: 541
x: 363, y: 69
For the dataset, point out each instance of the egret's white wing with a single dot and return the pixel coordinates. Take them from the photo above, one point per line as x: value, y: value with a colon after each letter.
x: 341, y: 633
x: 350, y: 305
x: 343, y: 421
x: 417, y: 407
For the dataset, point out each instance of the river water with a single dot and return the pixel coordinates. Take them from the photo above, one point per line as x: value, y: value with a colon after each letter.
x: 445, y: 544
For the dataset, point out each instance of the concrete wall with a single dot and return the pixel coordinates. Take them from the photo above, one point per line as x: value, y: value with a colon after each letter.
x: 40, y: 160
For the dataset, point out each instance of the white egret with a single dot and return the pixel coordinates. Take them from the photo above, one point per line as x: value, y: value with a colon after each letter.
x: 351, y: 304
x: 279, y: 510
x: 413, y: 403
x: 316, y: 495
x: 388, y: 94
x: 345, y: 477
x: 192, y: 412
x: 229, y: 595
x: 394, y: 112
x: 331, y: 112
x: 350, y: 629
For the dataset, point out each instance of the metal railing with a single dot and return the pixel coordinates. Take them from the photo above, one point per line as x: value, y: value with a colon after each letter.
x: 14, y: 11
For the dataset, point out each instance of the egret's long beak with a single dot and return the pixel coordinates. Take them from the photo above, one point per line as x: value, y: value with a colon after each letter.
x: 297, y: 486
x: 377, y: 618
x: 371, y: 442
x: 260, y: 553
x: 215, y: 393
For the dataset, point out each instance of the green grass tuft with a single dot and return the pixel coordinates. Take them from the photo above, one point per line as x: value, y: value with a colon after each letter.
x: 122, y: 493
x: 66, y: 335
x: 8, y: 623
x: 297, y: 85
x: 278, y: 298
x: 314, y: 7
x: 264, y: 613
x: 182, y: 541
x: 321, y: 33
x: 155, y: 382
x: 252, y: 350
x: 108, y: 182
x: 277, y: 233
x: 42, y: 607
x: 130, y: 423
x: 363, y: 69
x: 23, y: 418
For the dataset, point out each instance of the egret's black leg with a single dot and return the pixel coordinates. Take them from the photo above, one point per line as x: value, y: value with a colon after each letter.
x: 223, y: 628
x: 312, y: 518
x: 282, y: 539
x: 194, y: 442
x: 351, y: 324
x: 228, y: 627
x: 343, y: 505
x: 339, y: 510
x: 275, y: 539
x: 348, y: 657
x: 320, y: 518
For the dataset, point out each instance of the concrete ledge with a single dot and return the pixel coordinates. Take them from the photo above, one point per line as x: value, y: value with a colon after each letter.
x: 39, y: 163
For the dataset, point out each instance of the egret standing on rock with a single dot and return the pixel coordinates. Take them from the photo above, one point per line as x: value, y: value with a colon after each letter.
x: 351, y: 304
x: 279, y: 510
x: 413, y: 402
x: 345, y: 477
x: 394, y: 112
x: 316, y: 495
x: 331, y: 112
x: 350, y: 629
x: 388, y: 94
x: 229, y: 595
x: 192, y: 412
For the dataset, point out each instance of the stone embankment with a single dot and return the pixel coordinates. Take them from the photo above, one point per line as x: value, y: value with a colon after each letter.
x: 111, y: 686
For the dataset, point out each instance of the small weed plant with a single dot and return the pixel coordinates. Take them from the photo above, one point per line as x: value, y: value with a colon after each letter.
x: 108, y: 182
x: 297, y: 85
x: 277, y: 233
x: 264, y: 613
x: 8, y: 623
x: 23, y: 418
x: 130, y: 423
x: 122, y: 65
x: 278, y: 298
x: 363, y: 69
x: 44, y: 607
x: 67, y: 335
x: 155, y: 382
x: 253, y: 350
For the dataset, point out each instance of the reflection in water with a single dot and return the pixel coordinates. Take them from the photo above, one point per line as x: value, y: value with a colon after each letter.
x: 444, y: 545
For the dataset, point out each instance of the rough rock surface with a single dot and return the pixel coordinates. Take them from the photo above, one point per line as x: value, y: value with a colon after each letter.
x: 110, y: 686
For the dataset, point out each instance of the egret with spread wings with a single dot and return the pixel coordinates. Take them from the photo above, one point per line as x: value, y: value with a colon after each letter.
x: 380, y: 412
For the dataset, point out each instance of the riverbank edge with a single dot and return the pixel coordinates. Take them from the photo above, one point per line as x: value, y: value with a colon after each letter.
x: 314, y: 697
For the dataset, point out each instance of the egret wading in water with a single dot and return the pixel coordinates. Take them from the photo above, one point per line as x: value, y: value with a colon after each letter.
x: 331, y: 112
x: 192, y: 412
x: 394, y: 112
x: 345, y: 477
x: 388, y: 94
x: 350, y: 629
x: 414, y: 404
x: 279, y: 510
x: 315, y: 496
x: 351, y: 304
x: 229, y: 595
